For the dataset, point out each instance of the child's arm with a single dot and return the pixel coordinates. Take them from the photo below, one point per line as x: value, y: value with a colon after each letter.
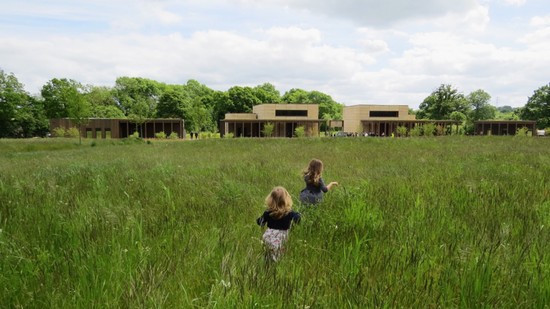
x: 326, y: 188
x: 296, y: 217
x: 261, y: 220
x: 332, y: 184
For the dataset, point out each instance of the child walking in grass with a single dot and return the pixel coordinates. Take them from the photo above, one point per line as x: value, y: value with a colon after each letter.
x: 278, y: 216
x: 315, y: 186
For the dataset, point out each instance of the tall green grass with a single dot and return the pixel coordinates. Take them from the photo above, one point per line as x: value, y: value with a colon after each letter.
x: 423, y: 222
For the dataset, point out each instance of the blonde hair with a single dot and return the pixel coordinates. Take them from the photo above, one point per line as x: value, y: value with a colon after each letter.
x: 314, y: 170
x: 278, y: 202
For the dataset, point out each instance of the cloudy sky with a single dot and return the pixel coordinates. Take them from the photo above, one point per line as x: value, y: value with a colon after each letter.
x: 357, y: 51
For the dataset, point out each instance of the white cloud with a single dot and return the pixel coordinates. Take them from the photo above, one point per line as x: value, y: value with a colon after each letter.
x: 212, y: 57
x: 162, y: 15
x: 375, y: 46
x: 343, y: 48
x: 515, y: 2
x: 293, y: 35
x: 540, y: 21
x: 380, y: 13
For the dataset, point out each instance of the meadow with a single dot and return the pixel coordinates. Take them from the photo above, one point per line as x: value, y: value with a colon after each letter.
x: 416, y: 222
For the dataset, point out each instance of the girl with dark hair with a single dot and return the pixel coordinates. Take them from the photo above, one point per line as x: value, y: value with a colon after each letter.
x: 315, y: 186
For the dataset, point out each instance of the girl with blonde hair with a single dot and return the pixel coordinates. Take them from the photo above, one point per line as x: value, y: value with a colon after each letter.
x: 315, y: 186
x: 278, y: 216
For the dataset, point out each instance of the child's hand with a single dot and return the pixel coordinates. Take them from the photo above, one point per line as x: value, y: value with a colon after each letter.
x: 261, y: 222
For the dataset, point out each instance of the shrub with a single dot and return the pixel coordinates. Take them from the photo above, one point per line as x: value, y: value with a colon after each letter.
x: 522, y: 131
x: 160, y: 135
x: 173, y: 135
x: 134, y: 136
x: 300, y: 131
x: 416, y: 131
x: 204, y: 135
x: 401, y: 131
x: 59, y: 132
x: 268, y: 129
x: 72, y: 132
x: 429, y: 129
x: 229, y: 135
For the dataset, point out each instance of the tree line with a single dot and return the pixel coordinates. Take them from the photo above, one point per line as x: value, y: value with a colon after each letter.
x: 447, y: 103
x: 138, y: 99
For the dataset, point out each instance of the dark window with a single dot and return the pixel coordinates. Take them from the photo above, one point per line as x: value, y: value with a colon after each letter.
x: 290, y: 113
x: 383, y: 114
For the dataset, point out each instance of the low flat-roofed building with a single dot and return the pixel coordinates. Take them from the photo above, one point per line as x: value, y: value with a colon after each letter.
x: 383, y: 120
x: 503, y: 127
x: 122, y: 128
x: 284, y: 117
x: 366, y: 118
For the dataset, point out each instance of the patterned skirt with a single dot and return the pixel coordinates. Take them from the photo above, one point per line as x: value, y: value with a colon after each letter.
x: 274, y: 240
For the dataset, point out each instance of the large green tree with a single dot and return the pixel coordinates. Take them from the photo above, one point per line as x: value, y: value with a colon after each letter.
x: 220, y: 104
x: 295, y: 95
x: 242, y: 99
x: 173, y: 102
x: 507, y: 112
x: 328, y: 108
x: 102, y: 102
x: 32, y: 119
x: 481, y: 109
x: 198, y: 111
x: 79, y: 111
x: 192, y: 102
x: 441, y: 103
x: 12, y: 97
x: 64, y: 98
x: 196, y: 89
x: 138, y: 98
x: 267, y: 93
x: 20, y: 114
x: 58, y: 95
x: 538, y: 107
x: 199, y: 117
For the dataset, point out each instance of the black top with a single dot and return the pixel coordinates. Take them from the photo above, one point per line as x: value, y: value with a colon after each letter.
x: 311, y: 187
x: 278, y: 224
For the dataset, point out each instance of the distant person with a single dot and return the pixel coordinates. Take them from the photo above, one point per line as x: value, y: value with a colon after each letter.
x: 315, y: 186
x: 278, y: 216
